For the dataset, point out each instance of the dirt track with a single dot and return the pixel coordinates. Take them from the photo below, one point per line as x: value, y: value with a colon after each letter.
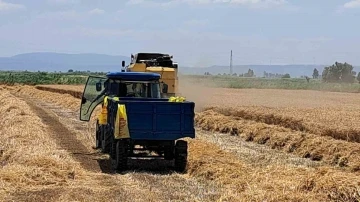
x: 65, y: 138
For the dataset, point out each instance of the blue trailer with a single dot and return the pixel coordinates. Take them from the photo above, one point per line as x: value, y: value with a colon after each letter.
x: 135, y: 118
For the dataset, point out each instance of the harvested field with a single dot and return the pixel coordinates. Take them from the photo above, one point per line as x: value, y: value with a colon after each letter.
x: 272, y: 183
x: 317, y: 148
x: 322, y: 113
x: 221, y: 174
x: 76, y: 88
x: 74, y: 93
x: 292, y: 121
x: 38, y: 165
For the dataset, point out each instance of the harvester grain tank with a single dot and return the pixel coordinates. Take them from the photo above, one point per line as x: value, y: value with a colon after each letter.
x: 135, y: 118
x: 157, y: 63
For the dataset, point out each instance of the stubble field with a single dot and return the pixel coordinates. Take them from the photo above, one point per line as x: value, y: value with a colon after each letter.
x: 251, y: 145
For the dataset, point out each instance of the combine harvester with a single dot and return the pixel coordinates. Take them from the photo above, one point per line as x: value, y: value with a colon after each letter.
x: 157, y: 63
x: 135, y: 118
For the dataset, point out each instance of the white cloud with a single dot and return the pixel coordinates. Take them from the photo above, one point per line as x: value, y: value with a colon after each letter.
x: 97, y: 11
x: 248, y: 3
x: 63, y: 2
x: 196, y: 1
x: 135, y: 1
x: 196, y: 23
x: 4, y: 6
x: 352, y: 4
x: 255, y: 3
x: 70, y: 14
x: 90, y: 32
x: 61, y: 15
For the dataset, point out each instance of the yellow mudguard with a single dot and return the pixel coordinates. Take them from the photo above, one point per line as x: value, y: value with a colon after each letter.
x: 121, y: 123
x: 103, y: 115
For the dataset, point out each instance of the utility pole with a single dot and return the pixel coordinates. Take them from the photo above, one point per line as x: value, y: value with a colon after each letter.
x: 231, y: 70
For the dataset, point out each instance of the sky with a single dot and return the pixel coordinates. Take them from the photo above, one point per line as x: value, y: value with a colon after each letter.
x: 196, y: 32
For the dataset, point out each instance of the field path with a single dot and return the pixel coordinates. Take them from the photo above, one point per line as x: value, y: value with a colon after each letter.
x: 65, y: 138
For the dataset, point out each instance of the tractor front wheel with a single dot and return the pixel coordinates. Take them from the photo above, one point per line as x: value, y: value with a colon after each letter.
x: 120, y: 157
x: 181, y: 154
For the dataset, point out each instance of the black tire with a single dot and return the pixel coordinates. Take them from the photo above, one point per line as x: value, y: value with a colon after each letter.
x: 120, y: 157
x: 106, y: 140
x: 98, y: 137
x: 169, y: 152
x: 181, y: 155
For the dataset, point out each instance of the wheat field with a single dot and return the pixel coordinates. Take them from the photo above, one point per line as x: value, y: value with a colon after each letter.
x: 293, y: 158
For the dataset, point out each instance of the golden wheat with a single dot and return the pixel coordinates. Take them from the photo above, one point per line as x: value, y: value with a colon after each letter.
x: 35, y: 168
x: 323, y: 113
x: 315, y: 147
x: 243, y: 182
x: 271, y: 183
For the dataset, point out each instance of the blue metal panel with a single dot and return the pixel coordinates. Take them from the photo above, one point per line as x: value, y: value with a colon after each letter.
x: 159, y: 120
x: 133, y: 76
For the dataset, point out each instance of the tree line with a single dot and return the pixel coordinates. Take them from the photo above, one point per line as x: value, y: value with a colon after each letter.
x: 250, y: 73
x: 338, y: 72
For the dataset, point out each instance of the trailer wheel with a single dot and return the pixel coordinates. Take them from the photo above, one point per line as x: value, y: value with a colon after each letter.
x: 169, y: 151
x: 181, y: 155
x: 119, y: 161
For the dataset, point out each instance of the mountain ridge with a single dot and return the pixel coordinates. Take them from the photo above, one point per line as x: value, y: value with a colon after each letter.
x: 52, y: 61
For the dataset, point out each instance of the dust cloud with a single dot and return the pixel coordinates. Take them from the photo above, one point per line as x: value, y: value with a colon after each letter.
x: 196, y: 92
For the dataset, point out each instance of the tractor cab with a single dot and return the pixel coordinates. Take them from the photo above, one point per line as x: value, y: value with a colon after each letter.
x: 118, y: 84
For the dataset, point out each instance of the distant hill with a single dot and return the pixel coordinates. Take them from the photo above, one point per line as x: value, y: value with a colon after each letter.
x: 44, y: 61
x: 47, y: 61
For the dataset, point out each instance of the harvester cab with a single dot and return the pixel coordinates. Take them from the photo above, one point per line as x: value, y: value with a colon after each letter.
x: 157, y: 63
x: 134, y: 117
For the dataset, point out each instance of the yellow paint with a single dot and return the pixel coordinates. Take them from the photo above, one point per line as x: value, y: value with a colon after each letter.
x: 104, y: 113
x: 177, y: 99
x: 121, y: 123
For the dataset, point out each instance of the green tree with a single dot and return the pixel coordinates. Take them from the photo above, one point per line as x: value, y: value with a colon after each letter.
x: 250, y: 73
x: 70, y: 70
x: 315, y: 74
x: 286, y: 76
x: 339, y: 72
x: 358, y: 77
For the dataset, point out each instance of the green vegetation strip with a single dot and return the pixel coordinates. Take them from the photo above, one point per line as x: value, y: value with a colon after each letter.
x: 41, y: 78
x: 278, y: 83
x: 36, y: 78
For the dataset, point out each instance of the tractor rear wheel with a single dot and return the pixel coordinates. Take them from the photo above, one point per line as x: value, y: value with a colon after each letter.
x: 106, y: 140
x: 120, y: 157
x: 181, y: 153
x: 98, y: 135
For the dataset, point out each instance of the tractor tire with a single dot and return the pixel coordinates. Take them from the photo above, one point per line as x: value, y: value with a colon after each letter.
x: 181, y: 153
x: 106, y: 140
x: 120, y: 159
x: 98, y: 137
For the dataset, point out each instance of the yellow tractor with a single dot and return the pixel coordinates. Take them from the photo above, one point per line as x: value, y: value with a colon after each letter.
x: 157, y: 63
